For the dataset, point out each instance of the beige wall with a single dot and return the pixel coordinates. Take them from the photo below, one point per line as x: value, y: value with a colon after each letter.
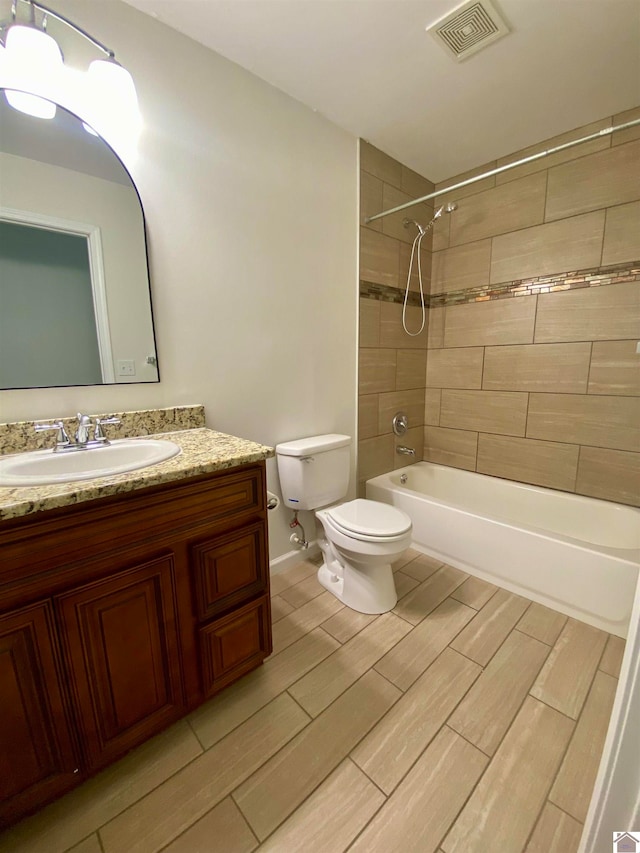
x: 537, y: 381
x: 251, y: 207
x: 392, y: 364
x: 543, y: 387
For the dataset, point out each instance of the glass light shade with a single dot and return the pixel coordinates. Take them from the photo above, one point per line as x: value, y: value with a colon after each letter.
x: 114, y: 85
x: 33, y: 59
x: 112, y: 103
x: 31, y: 46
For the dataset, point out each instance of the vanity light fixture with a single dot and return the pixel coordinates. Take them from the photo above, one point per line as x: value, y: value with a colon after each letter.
x: 34, y: 76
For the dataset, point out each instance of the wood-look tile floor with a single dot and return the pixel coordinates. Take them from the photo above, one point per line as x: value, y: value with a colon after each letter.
x: 468, y: 720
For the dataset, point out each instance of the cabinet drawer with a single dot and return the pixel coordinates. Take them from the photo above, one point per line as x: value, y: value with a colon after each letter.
x: 236, y: 493
x: 234, y: 644
x: 229, y: 569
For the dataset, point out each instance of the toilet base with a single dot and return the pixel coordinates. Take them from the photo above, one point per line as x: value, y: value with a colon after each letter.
x: 372, y: 591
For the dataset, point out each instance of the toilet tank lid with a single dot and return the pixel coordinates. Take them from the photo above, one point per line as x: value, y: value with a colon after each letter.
x: 313, y: 444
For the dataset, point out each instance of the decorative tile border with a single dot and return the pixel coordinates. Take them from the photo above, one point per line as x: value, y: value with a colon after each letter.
x: 574, y: 280
x: 20, y: 436
x: 385, y: 293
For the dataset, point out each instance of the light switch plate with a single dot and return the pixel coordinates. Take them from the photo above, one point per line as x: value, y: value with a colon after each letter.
x: 126, y: 367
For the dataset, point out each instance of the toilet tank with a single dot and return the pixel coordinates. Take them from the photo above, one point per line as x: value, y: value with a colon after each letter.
x: 314, y: 472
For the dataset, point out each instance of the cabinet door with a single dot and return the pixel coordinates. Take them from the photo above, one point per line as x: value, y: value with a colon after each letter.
x: 122, y: 646
x: 36, y: 753
x: 229, y: 569
x: 235, y: 644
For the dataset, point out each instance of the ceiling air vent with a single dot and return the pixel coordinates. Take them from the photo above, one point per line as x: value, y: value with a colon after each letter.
x: 468, y: 28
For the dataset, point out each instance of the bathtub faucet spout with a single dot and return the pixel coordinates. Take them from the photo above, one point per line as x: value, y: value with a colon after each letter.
x: 405, y: 451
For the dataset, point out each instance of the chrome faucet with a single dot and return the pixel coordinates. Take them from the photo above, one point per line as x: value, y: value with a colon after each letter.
x: 84, y: 425
x: 83, y: 430
x: 405, y: 451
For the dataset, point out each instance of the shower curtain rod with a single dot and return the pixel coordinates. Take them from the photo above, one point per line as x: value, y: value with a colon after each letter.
x: 604, y: 132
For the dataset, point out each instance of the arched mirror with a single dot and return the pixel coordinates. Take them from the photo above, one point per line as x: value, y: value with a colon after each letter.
x: 75, y: 301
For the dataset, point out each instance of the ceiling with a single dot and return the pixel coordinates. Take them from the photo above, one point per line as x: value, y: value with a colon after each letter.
x: 370, y: 67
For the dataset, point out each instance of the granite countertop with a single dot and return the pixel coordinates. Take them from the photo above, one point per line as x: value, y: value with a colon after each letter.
x: 204, y: 451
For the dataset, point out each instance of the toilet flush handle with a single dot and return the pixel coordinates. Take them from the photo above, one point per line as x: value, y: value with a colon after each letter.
x: 307, y: 459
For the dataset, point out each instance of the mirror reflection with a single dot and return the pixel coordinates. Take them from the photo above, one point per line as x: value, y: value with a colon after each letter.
x: 75, y: 304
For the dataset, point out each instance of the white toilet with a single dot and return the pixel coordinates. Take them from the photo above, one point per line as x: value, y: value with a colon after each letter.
x: 361, y: 537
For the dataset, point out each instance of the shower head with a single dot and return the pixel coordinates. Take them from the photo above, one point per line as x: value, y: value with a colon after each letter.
x: 449, y: 207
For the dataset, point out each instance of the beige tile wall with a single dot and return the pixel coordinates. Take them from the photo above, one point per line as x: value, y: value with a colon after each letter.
x: 543, y: 389
x: 392, y: 364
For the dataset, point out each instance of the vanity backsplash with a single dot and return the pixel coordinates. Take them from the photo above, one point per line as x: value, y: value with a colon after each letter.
x: 21, y: 436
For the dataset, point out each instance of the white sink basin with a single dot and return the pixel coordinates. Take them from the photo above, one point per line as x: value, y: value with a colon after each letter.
x: 43, y: 467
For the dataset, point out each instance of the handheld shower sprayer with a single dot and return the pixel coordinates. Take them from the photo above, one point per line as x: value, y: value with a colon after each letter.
x: 449, y: 207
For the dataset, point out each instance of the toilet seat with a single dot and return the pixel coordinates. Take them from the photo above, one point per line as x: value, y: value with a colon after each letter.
x: 369, y: 521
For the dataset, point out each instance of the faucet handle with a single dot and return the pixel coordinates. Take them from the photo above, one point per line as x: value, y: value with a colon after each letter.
x: 98, y: 433
x: 62, y: 439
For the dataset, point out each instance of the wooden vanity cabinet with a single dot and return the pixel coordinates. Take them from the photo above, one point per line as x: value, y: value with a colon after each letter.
x: 119, y: 616
x: 38, y: 759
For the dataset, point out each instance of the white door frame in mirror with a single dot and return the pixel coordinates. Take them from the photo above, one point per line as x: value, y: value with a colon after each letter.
x: 96, y: 270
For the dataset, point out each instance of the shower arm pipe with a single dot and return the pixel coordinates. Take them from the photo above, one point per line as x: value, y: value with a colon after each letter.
x: 604, y: 132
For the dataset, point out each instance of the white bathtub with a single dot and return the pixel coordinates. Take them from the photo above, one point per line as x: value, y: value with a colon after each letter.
x: 575, y: 554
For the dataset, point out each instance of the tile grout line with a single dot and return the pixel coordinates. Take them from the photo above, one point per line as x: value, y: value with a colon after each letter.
x: 101, y: 826
x: 335, y: 651
x: 477, y: 609
x: 322, y: 781
x: 444, y: 724
x: 536, y: 822
x: 195, y: 734
x: 359, y: 631
x: 491, y: 758
x: 520, y: 706
x: 570, y: 741
x: 82, y: 840
x: 304, y: 710
x: 526, y: 634
x: 184, y: 831
x: 215, y: 804
x: 364, y: 773
x: 419, y: 756
x: 553, y: 781
x: 244, y: 818
x: 464, y: 804
x: 565, y: 812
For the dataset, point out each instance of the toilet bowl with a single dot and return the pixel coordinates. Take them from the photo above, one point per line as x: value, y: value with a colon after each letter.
x: 361, y: 540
